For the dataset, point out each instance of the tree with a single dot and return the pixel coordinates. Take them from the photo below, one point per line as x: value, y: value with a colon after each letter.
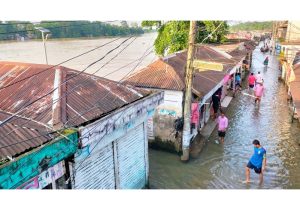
x: 173, y: 35
x: 150, y: 23
x: 249, y: 26
x: 66, y: 29
x: 124, y: 24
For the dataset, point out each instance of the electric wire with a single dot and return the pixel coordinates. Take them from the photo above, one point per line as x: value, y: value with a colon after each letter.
x: 43, y: 134
x: 79, y: 139
x: 65, y: 61
x: 68, y: 92
x: 48, y: 93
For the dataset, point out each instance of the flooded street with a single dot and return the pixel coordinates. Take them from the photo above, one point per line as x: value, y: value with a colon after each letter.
x: 223, y: 166
x: 63, y: 49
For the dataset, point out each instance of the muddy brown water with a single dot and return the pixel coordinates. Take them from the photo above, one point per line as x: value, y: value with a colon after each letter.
x: 223, y: 166
x: 60, y: 50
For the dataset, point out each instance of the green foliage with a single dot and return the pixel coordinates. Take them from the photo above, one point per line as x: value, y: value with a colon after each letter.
x: 207, y: 27
x: 250, y: 26
x: 173, y: 36
x: 149, y: 23
x: 67, y: 29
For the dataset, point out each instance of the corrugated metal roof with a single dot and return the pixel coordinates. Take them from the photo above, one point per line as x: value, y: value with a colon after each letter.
x: 87, y: 96
x: 78, y: 95
x: 158, y: 74
x: 17, y: 137
x: 234, y: 50
x: 168, y: 73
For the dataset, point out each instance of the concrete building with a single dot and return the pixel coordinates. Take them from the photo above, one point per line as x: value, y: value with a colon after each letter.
x: 105, y: 147
x: 287, y: 44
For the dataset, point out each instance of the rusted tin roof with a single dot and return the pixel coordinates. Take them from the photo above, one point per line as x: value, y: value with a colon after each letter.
x: 169, y: 73
x: 84, y: 95
x: 237, y: 49
x: 19, y: 136
x: 158, y: 74
x: 85, y: 99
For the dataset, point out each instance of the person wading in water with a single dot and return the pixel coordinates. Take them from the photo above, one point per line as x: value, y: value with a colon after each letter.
x: 258, y: 162
x: 222, y: 126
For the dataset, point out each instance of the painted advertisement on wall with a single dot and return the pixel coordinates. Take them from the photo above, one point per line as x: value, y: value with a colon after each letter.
x: 51, y: 174
x: 31, y: 184
x: 45, y: 178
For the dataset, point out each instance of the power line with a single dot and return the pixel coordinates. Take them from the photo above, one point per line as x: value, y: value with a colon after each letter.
x: 78, y: 139
x: 103, y: 136
x: 65, y: 94
x: 82, y: 83
x: 43, y: 134
x: 82, y: 113
x: 55, y: 65
x: 77, y: 56
x: 18, y: 112
x: 70, y: 92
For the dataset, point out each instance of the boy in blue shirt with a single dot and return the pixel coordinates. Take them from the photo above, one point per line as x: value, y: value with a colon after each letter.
x: 257, y: 162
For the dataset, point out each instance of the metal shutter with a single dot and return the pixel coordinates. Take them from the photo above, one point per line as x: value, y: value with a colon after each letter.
x: 97, y: 171
x: 131, y: 159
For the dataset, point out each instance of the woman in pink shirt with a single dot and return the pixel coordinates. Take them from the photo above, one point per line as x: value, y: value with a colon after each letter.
x: 259, y: 90
x: 222, y: 126
x: 251, y: 81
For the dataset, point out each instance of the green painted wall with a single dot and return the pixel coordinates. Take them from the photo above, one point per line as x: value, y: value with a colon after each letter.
x: 13, y: 174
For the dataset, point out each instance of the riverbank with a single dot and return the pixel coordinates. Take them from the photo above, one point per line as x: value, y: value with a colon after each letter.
x: 74, y: 39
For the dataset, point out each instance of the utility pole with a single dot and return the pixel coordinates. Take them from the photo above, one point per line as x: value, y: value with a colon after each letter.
x: 186, y: 137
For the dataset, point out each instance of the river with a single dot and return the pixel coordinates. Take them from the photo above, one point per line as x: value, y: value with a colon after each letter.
x: 60, y: 50
x: 223, y: 166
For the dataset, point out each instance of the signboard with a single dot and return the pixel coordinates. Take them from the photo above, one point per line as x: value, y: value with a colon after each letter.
x: 45, y: 178
x: 51, y: 174
x: 28, y: 166
x: 31, y: 184
x: 204, y: 65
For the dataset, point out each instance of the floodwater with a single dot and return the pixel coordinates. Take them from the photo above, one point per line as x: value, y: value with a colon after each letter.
x: 223, y: 166
x: 60, y: 50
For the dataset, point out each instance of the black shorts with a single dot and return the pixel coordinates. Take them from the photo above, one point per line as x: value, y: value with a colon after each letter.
x: 251, y: 166
x: 221, y: 133
x: 251, y: 86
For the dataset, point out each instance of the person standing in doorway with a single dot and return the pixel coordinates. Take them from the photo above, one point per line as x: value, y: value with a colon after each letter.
x: 258, y: 161
x: 222, y: 126
x: 238, y: 81
x: 258, y: 91
x: 216, y: 104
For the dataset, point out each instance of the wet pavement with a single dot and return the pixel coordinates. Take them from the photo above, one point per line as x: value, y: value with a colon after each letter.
x: 223, y: 166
